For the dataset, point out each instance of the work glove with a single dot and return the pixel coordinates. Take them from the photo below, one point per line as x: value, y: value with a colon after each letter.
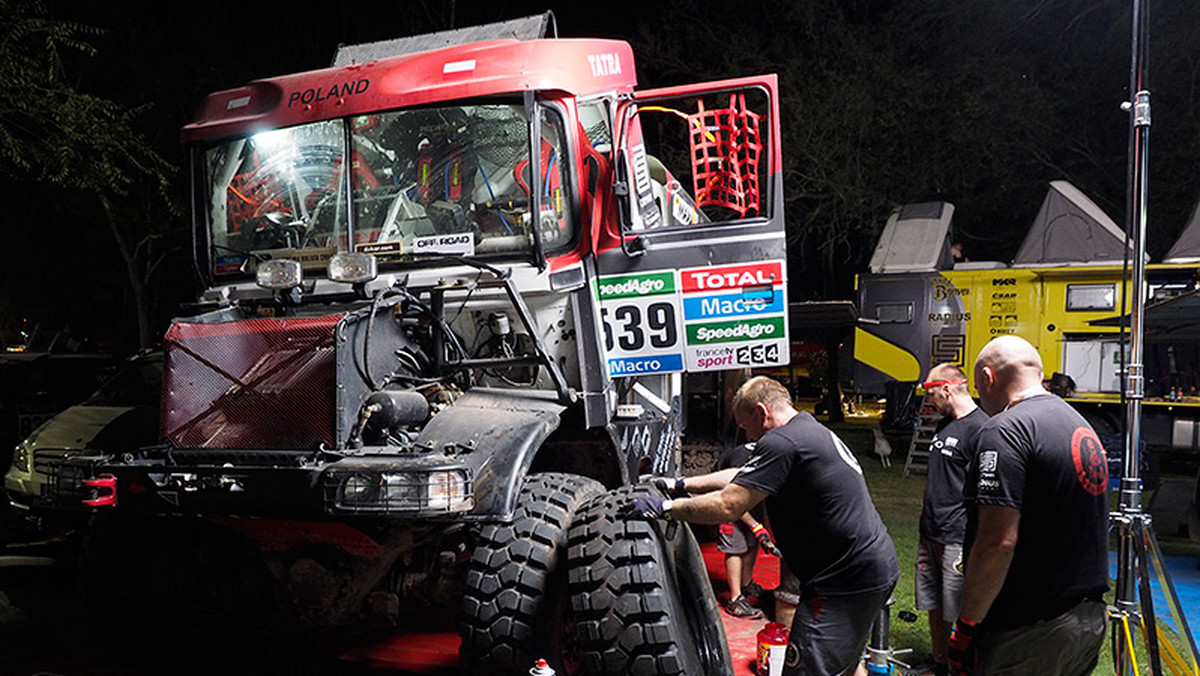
x: 764, y: 540
x: 645, y: 508
x: 962, y: 653
x: 672, y: 486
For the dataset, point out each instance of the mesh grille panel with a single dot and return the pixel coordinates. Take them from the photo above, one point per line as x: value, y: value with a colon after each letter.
x: 259, y: 383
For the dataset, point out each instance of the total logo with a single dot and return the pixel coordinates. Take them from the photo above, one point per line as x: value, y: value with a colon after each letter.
x: 766, y: 275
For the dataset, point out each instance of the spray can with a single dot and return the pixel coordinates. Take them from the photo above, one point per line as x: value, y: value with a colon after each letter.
x: 541, y: 668
x: 772, y: 647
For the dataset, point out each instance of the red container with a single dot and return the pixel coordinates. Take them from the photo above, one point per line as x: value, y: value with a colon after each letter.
x: 772, y: 646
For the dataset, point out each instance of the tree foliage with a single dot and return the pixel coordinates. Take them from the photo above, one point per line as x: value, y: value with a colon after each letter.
x: 52, y: 132
x: 886, y: 102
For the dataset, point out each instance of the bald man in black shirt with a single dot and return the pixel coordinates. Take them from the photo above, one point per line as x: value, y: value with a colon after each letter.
x: 1037, y: 528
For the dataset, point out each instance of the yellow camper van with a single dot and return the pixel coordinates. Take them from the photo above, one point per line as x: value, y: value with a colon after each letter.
x: 1064, y: 292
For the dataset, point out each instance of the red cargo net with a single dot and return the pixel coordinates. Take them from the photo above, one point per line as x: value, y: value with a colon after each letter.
x: 726, y: 148
x: 254, y: 384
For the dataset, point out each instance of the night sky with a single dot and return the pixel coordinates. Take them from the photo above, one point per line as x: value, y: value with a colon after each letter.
x: 885, y: 102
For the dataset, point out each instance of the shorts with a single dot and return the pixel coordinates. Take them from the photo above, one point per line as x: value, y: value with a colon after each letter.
x: 829, y: 634
x: 1066, y: 645
x: 734, y: 538
x: 788, y: 590
x: 939, y: 577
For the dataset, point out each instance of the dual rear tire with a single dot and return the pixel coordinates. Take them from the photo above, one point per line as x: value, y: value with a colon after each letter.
x: 571, y: 581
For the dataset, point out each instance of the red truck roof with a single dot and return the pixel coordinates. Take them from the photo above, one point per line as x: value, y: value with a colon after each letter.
x: 575, y: 66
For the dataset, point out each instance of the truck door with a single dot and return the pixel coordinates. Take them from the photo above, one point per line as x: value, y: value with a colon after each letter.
x: 699, y: 282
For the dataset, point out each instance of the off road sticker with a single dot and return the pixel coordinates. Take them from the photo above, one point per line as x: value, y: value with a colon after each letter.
x: 462, y: 244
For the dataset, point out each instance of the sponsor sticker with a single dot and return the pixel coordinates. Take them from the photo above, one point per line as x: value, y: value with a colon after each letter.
x: 462, y: 243
x: 733, y: 331
x: 655, y: 283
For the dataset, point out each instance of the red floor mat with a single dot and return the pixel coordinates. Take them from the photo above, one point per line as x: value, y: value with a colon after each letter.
x: 436, y: 652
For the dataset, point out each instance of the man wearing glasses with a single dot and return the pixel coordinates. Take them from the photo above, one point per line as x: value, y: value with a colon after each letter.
x: 943, y: 516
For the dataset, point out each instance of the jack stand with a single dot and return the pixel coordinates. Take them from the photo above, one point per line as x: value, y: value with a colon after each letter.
x: 881, y: 659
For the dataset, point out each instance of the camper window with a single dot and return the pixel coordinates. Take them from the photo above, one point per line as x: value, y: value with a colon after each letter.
x: 1091, y: 297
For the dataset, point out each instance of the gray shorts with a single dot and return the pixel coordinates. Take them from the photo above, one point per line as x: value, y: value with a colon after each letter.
x: 939, y: 577
x: 829, y: 634
x: 734, y: 538
x: 1067, y: 645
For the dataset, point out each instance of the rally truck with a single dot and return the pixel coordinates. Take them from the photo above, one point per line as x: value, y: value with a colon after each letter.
x: 451, y: 289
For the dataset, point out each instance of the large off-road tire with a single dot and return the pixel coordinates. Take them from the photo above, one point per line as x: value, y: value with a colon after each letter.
x: 642, y: 602
x: 514, y: 604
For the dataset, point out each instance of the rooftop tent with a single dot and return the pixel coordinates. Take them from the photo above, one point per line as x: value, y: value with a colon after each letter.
x: 916, y: 237
x: 1187, y: 248
x: 1070, y: 228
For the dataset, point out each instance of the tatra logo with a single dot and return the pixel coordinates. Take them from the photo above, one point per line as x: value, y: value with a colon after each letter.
x: 318, y: 94
x: 1091, y: 465
x: 605, y: 64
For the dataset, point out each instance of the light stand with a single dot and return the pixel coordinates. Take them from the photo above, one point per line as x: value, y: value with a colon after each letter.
x: 1134, y: 605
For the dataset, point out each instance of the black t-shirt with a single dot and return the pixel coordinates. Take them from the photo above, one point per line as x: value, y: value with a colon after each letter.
x: 943, y: 516
x: 735, y: 456
x: 821, y: 513
x: 1042, y: 457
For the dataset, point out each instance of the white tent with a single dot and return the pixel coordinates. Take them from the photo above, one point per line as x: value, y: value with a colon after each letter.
x: 916, y: 238
x: 1071, y: 229
x: 1187, y: 248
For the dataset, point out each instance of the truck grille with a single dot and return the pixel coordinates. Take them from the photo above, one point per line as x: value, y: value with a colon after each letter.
x: 259, y: 383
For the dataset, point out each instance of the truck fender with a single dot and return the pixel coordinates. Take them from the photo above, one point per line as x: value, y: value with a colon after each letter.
x: 497, y: 434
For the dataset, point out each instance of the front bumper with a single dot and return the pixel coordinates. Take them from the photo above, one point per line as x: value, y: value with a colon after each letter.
x: 391, y: 486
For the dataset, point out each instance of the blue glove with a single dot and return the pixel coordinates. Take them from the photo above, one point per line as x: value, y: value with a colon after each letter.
x: 671, y: 486
x: 644, y: 508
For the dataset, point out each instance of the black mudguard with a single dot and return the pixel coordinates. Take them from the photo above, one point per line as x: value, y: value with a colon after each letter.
x: 496, y: 433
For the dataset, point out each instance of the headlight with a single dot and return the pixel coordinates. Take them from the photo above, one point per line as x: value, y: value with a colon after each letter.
x: 20, y: 460
x: 353, y: 268
x: 278, y: 273
x: 441, y: 491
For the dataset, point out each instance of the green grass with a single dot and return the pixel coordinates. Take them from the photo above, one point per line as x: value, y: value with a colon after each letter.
x: 898, y: 500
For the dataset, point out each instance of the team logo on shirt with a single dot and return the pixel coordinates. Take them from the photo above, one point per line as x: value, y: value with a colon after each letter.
x: 1091, y: 465
x: 987, y: 461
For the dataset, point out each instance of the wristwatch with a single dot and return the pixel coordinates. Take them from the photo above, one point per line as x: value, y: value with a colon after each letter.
x: 666, y: 507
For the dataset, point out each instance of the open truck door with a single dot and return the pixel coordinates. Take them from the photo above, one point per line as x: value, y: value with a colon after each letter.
x: 699, y: 281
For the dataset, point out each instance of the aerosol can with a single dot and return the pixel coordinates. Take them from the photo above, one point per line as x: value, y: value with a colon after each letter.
x: 772, y: 648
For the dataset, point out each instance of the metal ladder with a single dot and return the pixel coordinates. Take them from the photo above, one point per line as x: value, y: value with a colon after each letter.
x: 918, y: 448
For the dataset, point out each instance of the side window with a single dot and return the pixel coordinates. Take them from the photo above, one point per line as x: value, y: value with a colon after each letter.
x: 1091, y: 297
x: 894, y: 313
x: 697, y: 159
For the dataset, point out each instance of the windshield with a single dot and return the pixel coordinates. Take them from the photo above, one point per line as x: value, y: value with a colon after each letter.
x: 432, y: 180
